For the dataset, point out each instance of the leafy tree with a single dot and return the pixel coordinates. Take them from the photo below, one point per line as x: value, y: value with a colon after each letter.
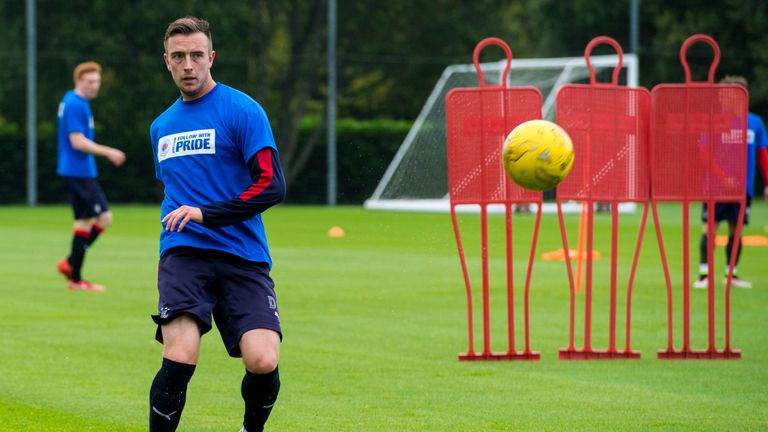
x: 390, y: 55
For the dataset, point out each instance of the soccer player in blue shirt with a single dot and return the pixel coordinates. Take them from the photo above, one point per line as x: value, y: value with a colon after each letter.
x: 757, y: 154
x: 216, y: 156
x: 77, y: 165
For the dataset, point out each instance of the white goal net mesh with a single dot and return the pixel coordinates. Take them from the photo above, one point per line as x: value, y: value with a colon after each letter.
x: 417, y: 177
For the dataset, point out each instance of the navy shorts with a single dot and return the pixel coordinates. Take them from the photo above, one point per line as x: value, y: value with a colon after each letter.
x: 239, y: 293
x: 86, y: 196
x: 727, y: 212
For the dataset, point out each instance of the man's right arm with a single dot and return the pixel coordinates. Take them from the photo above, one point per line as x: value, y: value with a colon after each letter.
x: 762, y: 162
x: 82, y: 143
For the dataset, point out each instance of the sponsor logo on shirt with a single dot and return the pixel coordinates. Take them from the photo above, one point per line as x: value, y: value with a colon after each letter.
x: 186, y: 144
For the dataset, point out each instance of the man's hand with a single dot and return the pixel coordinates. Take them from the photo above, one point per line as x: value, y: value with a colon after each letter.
x: 117, y: 157
x: 730, y: 185
x: 181, y: 216
x: 765, y: 193
x: 80, y: 142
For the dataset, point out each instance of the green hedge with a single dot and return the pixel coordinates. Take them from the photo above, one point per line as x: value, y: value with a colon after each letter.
x: 364, y: 150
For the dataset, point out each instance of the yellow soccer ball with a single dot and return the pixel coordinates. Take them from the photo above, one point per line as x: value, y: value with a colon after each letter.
x: 537, y: 155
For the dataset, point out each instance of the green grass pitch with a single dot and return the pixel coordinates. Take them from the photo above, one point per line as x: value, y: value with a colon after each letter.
x: 373, y: 324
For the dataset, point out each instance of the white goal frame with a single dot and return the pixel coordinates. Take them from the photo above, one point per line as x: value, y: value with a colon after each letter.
x: 493, y: 72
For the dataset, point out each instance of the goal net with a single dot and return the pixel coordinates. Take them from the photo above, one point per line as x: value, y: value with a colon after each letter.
x: 417, y: 177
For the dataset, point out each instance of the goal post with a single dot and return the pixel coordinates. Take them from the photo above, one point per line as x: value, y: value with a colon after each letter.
x: 417, y: 179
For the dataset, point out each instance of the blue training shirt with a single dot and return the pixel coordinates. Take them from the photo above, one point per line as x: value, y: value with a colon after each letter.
x: 202, y: 148
x: 756, y: 139
x: 74, y: 116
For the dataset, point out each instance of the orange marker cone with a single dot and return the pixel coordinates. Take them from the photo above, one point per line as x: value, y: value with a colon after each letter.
x: 336, y: 232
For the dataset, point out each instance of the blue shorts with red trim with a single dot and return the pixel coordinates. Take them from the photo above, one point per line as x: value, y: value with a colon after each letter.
x: 727, y: 211
x: 86, y: 196
x: 239, y: 294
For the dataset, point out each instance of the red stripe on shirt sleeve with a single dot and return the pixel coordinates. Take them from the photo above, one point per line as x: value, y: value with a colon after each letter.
x: 265, y: 178
x: 762, y: 162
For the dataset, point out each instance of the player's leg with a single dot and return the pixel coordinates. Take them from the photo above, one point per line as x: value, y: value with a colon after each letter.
x: 80, y: 233
x: 261, y: 383
x: 181, y: 339
x: 701, y: 282
x: 101, y: 223
x: 104, y: 215
x: 168, y: 394
x: 733, y: 218
x: 185, y: 303
x: 87, y: 202
x: 249, y: 322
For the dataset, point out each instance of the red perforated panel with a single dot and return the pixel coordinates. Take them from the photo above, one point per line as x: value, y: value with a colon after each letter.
x: 477, y: 122
x: 609, y: 127
x: 698, y: 146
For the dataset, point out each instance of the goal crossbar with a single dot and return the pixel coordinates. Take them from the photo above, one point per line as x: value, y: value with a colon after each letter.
x: 547, y: 74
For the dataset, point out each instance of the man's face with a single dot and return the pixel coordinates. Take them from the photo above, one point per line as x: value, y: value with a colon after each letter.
x: 189, y: 59
x: 88, y: 85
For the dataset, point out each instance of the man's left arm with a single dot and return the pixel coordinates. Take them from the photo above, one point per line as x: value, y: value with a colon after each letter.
x: 267, y: 190
x: 761, y: 146
x: 762, y: 162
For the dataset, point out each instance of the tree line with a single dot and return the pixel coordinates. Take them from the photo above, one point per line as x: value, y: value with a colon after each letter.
x: 389, y: 56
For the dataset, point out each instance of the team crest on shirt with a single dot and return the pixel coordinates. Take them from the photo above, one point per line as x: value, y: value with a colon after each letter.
x: 188, y: 143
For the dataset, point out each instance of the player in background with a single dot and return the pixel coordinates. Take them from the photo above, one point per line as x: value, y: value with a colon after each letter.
x: 757, y: 154
x: 216, y: 155
x: 77, y: 165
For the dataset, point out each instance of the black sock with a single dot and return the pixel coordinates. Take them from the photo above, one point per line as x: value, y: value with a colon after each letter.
x: 702, y: 255
x: 168, y: 395
x: 259, y: 393
x: 729, y: 249
x: 95, y: 231
x: 77, y: 253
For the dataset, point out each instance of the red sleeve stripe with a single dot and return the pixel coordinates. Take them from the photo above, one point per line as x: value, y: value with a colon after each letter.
x: 762, y: 162
x: 265, y: 178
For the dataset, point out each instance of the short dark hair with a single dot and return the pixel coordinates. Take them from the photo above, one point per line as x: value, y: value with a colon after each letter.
x: 188, y: 25
x: 734, y: 79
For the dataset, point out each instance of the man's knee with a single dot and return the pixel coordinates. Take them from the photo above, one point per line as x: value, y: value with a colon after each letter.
x: 181, y: 340
x: 261, y: 362
x: 261, y: 350
x: 83, y: 224
x: 705, y: 226
x: 104, y: 219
